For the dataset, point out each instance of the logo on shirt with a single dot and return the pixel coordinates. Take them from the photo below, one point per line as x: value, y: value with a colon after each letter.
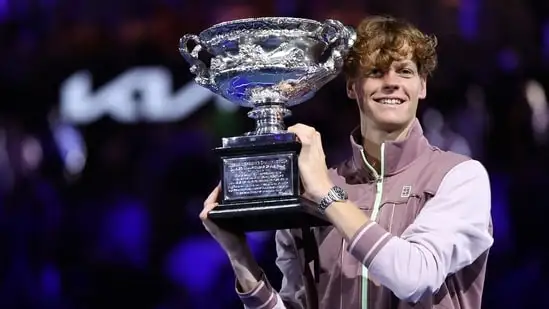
x: 406, y: 191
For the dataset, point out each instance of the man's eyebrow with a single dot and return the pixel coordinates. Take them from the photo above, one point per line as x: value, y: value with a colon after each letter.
x: 405, y: 62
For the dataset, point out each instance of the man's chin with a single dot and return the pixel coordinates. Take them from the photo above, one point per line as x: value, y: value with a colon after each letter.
x: 392, y: 125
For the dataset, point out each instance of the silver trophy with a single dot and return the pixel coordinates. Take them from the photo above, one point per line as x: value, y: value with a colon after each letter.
x: 267, y: 64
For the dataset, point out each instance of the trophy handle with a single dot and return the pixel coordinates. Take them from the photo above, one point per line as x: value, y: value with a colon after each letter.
x: 198, y: 67
x: 339, y: 38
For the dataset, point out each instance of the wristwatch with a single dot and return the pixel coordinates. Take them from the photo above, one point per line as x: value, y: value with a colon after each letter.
x: 336, y: 194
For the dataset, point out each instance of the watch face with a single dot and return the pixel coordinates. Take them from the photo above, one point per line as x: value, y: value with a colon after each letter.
x: 341, y: 193
x: 335, y: 194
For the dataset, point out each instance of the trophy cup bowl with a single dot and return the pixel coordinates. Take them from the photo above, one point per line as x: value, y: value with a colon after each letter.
x: 268, y: 64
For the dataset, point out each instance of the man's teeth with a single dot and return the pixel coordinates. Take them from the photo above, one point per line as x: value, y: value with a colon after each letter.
x: 390, y: 101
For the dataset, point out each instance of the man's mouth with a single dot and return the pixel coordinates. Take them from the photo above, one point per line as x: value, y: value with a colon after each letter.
x: 390, y: 101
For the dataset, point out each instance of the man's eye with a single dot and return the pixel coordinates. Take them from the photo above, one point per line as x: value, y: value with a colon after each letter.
x: 375, y: 73
x: 407, y: 71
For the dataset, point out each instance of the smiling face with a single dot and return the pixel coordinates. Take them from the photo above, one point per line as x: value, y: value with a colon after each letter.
x: 388, y: 100
x: 387, y: 70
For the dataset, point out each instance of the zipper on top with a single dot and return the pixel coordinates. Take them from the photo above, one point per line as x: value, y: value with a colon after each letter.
x: 373, y: 216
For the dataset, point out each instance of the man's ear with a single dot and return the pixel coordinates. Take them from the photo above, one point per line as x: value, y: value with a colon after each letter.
x: 351, y: 93
x: 423, y: 91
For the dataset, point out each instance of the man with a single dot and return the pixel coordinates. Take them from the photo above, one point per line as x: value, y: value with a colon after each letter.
x: 411, y: 224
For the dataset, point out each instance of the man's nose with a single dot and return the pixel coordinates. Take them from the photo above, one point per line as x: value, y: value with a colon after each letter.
x: 391, y: 81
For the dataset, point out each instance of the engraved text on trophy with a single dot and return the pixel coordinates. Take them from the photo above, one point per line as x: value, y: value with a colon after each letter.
x: 258, y: 176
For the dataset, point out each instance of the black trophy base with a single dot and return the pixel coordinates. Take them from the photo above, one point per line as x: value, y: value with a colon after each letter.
x: 261, y: 187
x: 268, y: 215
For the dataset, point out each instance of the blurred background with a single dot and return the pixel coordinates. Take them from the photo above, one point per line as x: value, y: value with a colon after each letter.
x: 105, y: 143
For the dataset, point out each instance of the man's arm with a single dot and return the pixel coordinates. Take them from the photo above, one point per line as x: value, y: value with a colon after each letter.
x: 450, y: 233
x: 247, y: 272
x: 292, y: 294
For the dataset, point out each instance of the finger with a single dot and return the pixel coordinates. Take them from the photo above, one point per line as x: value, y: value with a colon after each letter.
x: 300, y: 126
x: 212, y: 198
x: 304, y: 133
x: 318, y: 143
x: 207, y: 208
x: 297, y: 129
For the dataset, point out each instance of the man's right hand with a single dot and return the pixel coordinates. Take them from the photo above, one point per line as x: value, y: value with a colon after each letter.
x: 233, y: 243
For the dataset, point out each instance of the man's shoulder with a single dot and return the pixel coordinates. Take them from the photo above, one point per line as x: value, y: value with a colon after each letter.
x: 449, y: 161
x: 440, y: 164
x: 440, y: 157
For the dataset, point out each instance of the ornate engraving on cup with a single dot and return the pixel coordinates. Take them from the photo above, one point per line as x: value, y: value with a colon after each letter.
x: 268, y: 64
x: 258, y: 177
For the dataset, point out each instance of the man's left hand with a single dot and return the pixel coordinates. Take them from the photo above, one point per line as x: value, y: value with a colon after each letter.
x: 312, y: 162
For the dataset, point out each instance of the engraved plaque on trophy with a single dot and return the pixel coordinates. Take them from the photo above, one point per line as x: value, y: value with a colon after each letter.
x: 268, y: 64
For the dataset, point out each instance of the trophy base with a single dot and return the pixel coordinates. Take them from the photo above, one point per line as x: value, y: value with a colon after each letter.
x: 260, y: 185
x: 266, y: 215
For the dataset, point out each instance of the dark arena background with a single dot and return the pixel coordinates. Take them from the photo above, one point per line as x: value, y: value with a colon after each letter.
x: 106, y: 144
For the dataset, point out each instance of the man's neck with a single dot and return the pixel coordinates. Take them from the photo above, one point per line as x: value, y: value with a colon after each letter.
x: 372, y: 138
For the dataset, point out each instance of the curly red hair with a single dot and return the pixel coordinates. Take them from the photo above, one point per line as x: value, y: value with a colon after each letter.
x: 382, y: 40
